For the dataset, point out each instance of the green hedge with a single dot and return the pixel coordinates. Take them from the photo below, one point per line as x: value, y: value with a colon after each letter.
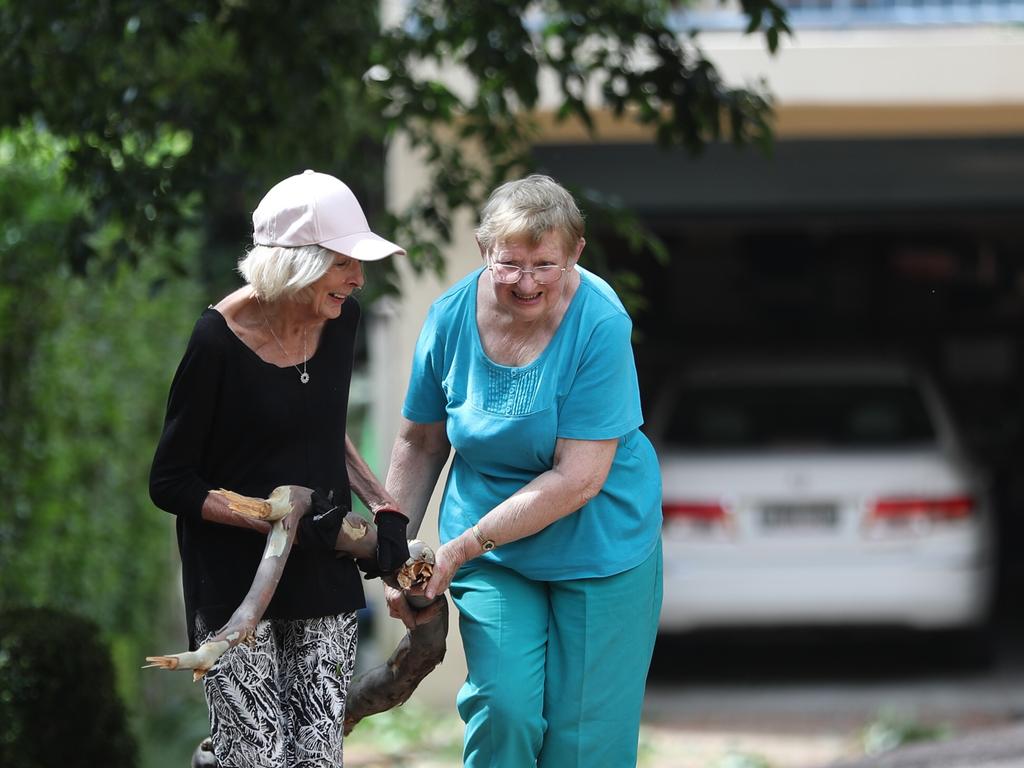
x: 59, y: 706
x: 86, y: 358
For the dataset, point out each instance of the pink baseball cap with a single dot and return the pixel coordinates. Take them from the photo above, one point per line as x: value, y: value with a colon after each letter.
x: 313, y: 208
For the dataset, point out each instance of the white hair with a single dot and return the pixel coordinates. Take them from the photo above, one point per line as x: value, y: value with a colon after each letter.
x: 532, y: 207
x: 279, y: 272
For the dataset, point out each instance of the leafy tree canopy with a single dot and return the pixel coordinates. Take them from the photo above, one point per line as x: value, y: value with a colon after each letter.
x: 187, y: 110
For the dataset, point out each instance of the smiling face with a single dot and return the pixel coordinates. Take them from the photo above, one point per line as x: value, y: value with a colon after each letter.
x: 342, y: 278
x: 526, y: 299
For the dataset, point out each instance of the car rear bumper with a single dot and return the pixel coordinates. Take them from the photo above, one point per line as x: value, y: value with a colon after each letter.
x: 932, y: 597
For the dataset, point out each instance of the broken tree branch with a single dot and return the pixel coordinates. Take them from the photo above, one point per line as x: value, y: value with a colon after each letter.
x: 392, y: 683
x: 285, y: 515
x: 373, y: 691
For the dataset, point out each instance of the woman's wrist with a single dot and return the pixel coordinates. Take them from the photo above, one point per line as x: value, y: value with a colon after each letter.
x: 469, y: 546
x: 486, y: 543
x: 386, y: 506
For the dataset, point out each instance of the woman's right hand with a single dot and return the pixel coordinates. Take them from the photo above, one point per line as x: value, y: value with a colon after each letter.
x: 399, y: 608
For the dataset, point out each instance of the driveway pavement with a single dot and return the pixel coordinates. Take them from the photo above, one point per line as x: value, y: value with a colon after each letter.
x: 804, y: 702
x: 984, y: 748
x: 810, y: 702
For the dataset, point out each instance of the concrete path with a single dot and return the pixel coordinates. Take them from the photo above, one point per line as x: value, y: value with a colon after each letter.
x: 987, y: 748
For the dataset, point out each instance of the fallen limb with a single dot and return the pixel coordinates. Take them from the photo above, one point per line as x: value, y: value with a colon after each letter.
x: 390, y: 684
x: 373, y: 691
x: 285, y: 515
x: 393, y: 682
x: 356, y: 537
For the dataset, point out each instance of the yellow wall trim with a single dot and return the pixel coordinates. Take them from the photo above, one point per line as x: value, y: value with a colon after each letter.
x: 809, y: 121
x: 879, y: 121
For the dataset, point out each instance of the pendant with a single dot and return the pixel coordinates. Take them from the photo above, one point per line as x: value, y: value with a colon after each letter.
x: 304, y: 377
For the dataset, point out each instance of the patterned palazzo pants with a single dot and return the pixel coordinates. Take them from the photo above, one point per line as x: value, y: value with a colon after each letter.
x: 279, y: 702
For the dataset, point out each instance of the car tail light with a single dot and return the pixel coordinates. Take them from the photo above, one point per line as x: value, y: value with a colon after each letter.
x: 916, y: 511
x: 694, y: 511
x: 943, y: 508
x: 697, y: 519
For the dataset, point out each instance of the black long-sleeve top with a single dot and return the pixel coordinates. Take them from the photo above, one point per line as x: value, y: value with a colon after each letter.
x: 235, y: 421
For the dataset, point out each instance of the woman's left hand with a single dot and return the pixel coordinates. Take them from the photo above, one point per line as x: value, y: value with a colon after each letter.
x: 447, y: 561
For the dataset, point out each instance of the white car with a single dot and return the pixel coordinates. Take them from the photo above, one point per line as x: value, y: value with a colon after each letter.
x: 816, y: 494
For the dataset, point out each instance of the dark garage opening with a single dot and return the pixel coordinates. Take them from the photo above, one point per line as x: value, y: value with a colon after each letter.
x: 907, y: 248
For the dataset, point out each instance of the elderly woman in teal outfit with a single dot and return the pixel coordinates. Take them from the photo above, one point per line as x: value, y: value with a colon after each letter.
x: 551, y: 517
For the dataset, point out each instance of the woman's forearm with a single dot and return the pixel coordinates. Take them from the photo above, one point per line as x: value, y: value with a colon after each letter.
x: 547, y: 498
x: 365, y: 484
x: 216, y: 510
x: 579, y: 472
x: 417, y: 458
x: 577, y: 475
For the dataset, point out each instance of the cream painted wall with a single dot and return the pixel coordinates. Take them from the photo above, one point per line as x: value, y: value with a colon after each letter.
x: 896, y: 65
x: 394, y: 329
x: 904, y: 66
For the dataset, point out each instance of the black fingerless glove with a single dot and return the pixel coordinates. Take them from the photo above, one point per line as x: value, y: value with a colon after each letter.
x: 368, y: 565
x: 392, y: 547
x: 318, y: 528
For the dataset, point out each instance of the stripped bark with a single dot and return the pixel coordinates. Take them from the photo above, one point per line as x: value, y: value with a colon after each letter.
x: 356, y: 537
x: 285, y: 517
x: 387, y: 685
x: 374, y: 691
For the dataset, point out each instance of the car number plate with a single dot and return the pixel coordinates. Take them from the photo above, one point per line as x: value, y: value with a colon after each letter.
x: 801, y: 516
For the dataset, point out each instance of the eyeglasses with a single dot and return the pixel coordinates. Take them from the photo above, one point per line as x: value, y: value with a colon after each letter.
x: 510, y: 273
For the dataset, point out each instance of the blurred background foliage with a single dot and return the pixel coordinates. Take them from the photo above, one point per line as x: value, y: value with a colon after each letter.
x: 135, y: 139
x: 86, y: 358
x: 182, y: 113
x: 40, y: 649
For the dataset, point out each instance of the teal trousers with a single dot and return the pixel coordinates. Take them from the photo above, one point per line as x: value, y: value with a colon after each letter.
x: 557, y: 669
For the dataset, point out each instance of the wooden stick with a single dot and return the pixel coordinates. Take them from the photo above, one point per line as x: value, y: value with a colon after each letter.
x: 376, y: 690
x: 392, y: 683
x: 242, y: 624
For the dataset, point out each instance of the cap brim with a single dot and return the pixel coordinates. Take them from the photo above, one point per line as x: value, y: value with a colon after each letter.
x: 364, y: 246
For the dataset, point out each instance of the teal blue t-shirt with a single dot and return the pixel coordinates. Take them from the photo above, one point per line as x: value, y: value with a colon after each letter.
x: 503, y: 422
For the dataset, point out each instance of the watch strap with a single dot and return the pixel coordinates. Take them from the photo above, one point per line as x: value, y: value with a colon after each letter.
x: 486, y: 544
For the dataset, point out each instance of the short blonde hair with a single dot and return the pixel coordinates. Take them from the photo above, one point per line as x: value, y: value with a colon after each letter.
x: 280, y: 272
x: 529, y: 207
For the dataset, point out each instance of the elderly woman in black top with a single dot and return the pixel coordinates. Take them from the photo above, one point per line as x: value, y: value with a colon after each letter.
x: 259, y: 401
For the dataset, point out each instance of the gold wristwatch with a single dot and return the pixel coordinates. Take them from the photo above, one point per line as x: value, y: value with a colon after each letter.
x: 487, y: 544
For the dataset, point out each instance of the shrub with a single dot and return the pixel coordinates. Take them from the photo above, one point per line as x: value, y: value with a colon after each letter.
x: 58, y: 701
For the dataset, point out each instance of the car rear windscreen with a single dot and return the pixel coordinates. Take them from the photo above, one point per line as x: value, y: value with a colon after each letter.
x: 795, y: 415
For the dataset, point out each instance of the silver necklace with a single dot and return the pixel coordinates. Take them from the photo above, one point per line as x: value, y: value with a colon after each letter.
x: 303, y: 375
